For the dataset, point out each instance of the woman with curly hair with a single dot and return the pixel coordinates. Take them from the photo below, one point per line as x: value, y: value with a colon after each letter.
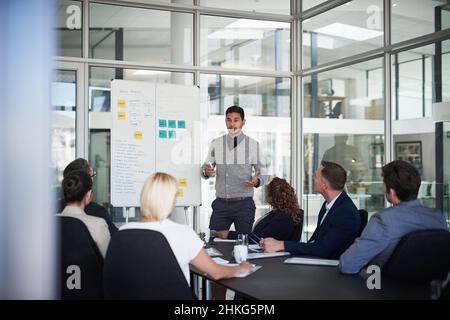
x: 285, y: 221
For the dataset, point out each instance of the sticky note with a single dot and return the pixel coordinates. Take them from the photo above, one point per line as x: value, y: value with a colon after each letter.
x: 162, y: 134
x: 162, y: 123
x: 182, y: 182
x: 138, y: 135
x: 180, y: 192
x: 172, y: 124
x: 121, y: 103
x: 181, y: 124
x: 172, y: 134
x: 121, y: 115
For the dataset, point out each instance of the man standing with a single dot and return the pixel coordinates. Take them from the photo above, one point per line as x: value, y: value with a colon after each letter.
x: 386, y: 228
x: 236, y: 162
x: 338, y: 222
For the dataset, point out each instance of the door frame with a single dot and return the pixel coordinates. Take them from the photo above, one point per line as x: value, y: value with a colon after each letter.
x: 81, y: 111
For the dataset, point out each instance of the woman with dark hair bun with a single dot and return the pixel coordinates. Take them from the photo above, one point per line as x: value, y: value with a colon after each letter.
x: 77, y: 190
x: 285, y: 221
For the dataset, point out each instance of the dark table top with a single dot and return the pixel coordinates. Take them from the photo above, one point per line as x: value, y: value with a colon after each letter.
x: 280, y: 281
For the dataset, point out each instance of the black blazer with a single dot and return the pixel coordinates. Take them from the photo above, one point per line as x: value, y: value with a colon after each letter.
x: 335, y: 235
x: 275, y: 224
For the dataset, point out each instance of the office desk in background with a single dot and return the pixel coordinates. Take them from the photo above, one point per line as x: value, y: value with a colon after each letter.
x: 279, y: 281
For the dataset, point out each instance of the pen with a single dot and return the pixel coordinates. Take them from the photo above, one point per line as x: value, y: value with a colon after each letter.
x: 255, y: 237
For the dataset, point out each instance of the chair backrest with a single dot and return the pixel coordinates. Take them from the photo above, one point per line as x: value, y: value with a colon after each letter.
x: 140, y: 265
x: 364, y: 216
x: 420, y: 256
x: 297, y: 233
x: 77, y: 248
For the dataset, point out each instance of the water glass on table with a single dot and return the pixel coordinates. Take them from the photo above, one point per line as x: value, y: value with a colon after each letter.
x: 241, y: 248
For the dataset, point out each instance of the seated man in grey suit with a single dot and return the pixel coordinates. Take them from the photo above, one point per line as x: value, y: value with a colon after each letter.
x: 338, y: 222
x: 385, y: 228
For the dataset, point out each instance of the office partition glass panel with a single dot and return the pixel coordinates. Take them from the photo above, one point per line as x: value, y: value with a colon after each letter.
x: 344, y: 123
x: 414, y: 89
x: 414, y: 18
x: 267, y: 105
x: 352, y: 28
x: 100, y: 125
x: 69, y: 28
x: 64, y: 103
x: 136, y: 34
x: 268, y: 6
x: 244, y: 43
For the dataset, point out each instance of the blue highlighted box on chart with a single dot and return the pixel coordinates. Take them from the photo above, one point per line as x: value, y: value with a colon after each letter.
x: 170, y: 124
x: 162, y: 123
x: 162, y: 134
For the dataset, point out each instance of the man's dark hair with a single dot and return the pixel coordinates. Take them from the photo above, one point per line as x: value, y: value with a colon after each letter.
x: 237, y: 110
x: 334, y: 174
x: 79, y: 164
x: 75, y: 185
x: 403, y: 178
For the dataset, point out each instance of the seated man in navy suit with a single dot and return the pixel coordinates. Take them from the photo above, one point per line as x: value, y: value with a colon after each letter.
x: 338, y: 222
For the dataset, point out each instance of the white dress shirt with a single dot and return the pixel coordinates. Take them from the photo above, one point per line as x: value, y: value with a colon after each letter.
x: 328, y: 207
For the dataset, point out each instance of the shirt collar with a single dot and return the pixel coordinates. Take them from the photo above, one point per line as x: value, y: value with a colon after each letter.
x: 239, y: 137
x: 329, y: 205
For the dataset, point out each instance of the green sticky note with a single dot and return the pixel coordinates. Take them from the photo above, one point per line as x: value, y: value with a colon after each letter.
x: 162, y: 123
x: 172, y: 124
x: 172, y: 134
x: 181, y: 124
x: 162, y: 134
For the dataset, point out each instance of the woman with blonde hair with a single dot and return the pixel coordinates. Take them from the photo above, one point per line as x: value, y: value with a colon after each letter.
x: 158, y: 198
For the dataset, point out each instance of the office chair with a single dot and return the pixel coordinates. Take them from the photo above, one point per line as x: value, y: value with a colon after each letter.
x: 77, y: 248
x: 297, y: 233
x: 420, y: 256
x: 364, y: 215
x: 140, y: 265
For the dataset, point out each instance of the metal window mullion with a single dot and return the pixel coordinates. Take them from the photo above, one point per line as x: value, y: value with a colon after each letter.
x: 85, y: 40
x: 388, y: 137
x: 323, y: 7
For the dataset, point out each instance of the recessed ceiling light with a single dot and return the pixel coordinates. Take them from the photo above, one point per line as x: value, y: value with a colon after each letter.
x: 394, y: 4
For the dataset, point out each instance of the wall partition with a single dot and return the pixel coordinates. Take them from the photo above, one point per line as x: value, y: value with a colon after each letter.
x: 347, y: 81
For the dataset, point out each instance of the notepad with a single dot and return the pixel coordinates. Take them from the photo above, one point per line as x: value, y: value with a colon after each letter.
x: 254, y: 247
x: 313, y: 262
x: 220, y: 260
x: 259, y: 255
x: 244, y: 274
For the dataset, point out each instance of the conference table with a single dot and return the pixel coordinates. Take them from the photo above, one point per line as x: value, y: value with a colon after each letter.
x: 277, y: 280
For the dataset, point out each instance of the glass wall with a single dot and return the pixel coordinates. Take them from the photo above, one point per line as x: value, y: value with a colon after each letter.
x: 136, y: 34
x: 267, y: 106
x: 64, y: 104
x: 414, y: 18
x: 237, y: 57
x: 349, y: 29
x: 344, y: 123
x: 244, y: 43
x: 69, y: 28
x: 414, y: 91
